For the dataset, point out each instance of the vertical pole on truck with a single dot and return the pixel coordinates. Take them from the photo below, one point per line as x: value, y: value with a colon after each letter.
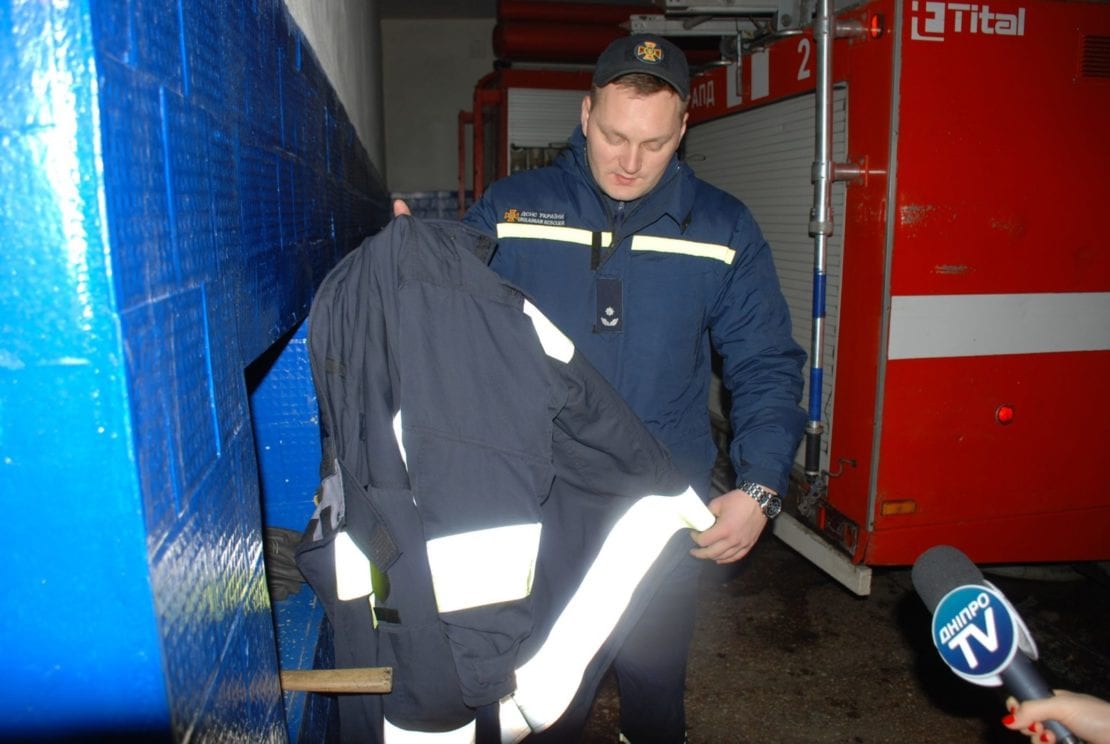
x: 825, y: 172
x: 820, y: 227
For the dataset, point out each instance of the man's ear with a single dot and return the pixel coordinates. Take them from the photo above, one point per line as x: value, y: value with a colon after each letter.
x: 585, y: 117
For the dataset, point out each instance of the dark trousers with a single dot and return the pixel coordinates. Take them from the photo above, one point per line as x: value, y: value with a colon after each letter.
x: 651, y: 663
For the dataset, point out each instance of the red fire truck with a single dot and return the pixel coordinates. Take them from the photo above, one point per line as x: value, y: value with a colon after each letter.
x: 931, y: 176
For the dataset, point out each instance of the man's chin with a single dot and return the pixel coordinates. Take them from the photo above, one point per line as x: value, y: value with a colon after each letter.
x: 622, y: 192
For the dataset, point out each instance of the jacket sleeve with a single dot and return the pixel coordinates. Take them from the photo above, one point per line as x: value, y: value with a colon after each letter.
x: 482, y: 215
x: 749, y: 326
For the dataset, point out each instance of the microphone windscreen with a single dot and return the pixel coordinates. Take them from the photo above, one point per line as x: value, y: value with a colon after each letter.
x: 941, y: 569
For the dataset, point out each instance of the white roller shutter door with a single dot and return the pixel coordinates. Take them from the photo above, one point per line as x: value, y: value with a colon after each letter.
x: 540, y: 122
x: 764, y: 157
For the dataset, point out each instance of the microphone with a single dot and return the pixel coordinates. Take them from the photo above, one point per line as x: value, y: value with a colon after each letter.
x: 978, y: 633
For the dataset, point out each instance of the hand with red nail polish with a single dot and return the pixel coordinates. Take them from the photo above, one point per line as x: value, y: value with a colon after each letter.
x: 1085, y: 716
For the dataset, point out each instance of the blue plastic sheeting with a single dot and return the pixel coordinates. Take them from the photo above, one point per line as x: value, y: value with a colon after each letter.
x: 285, y: 418
x: 299, y: 619
x: 435, y: 205
x: 176, y: 177
x: 286, y: 423
x: 80, y: 647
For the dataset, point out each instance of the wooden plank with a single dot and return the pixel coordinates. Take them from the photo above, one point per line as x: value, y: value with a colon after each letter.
x: 360, y: 680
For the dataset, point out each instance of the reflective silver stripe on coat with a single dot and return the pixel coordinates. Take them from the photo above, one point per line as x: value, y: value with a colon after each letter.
x: 352, y: 569
x: 400, y: 441
x: 547, y: 682
x: 560, y: 233
x: 555, y: 343
x: 483, y: 567
x: 715, y: 251
x: 398, y: 435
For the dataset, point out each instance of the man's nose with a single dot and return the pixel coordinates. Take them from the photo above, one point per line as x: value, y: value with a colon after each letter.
x: 631, y: 160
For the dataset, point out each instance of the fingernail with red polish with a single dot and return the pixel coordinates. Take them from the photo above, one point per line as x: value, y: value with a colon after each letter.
x: 1044, y: 737
x: 1008, y: 720
x: 1033, y: 727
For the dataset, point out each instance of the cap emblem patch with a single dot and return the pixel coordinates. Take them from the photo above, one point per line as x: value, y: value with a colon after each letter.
x: 649, y: 52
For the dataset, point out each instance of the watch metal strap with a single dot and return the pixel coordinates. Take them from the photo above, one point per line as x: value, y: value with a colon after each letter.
x: 767, y: 499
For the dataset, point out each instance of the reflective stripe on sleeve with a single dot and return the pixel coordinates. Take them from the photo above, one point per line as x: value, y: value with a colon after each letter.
x: 547, y: 682
x: 483, y: 567
x: 514, y: 727
x: 562, y: 234
x: 555, y: 343
x: 400, y: 441
x: 685, y: 247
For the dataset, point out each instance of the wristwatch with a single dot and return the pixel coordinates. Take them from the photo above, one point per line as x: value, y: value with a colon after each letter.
x: 768, y: 501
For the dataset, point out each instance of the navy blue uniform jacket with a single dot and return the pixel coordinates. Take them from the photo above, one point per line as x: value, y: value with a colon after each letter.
x: 686, y: 267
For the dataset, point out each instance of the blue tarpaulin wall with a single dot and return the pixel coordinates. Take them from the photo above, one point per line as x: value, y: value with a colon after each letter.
x: 176, y: 177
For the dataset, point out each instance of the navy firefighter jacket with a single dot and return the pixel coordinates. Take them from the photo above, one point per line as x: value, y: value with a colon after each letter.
x: 492, y: 516
x: 644, y: 289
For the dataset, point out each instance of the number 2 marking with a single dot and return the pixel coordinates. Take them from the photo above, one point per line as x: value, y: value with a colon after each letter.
x: 803, y: 69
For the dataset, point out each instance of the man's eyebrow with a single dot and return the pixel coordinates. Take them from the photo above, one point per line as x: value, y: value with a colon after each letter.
x: 610, y: 131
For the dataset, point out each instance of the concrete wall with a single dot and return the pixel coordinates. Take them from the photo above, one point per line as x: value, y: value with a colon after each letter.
x: 346, y: 37
x: 430, y: 69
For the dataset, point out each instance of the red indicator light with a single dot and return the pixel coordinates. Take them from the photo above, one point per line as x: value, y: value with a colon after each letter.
x: 876, y: 26
x: 1004, y: 414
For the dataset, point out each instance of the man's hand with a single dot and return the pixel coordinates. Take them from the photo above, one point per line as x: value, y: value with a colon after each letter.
x: 739, y: 524
x: 400, y: 208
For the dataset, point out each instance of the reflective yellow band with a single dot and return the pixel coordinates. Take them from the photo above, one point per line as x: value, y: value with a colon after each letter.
x: 685, y: 247
x: 547, y: 682
x: 559, y: 233
x: 483, y: 567
x: 555, y: 343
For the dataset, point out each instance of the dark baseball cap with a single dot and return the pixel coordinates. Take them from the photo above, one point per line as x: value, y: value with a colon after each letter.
x: 644, y: 53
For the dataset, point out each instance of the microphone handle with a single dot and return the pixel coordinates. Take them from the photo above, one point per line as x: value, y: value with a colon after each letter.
x: 1022, y: 678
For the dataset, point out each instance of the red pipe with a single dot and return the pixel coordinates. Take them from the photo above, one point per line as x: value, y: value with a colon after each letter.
x: 482, y: 98
x: 534, y: 41
x: 473, y: 118
x: 579, y: 13
x: 569, y: 43
x: 465, y: 118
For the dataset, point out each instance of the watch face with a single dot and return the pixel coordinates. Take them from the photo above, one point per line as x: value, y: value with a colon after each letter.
x: 772, y: 508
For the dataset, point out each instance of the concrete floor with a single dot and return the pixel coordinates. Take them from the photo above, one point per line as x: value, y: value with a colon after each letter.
x: 783, y: 654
